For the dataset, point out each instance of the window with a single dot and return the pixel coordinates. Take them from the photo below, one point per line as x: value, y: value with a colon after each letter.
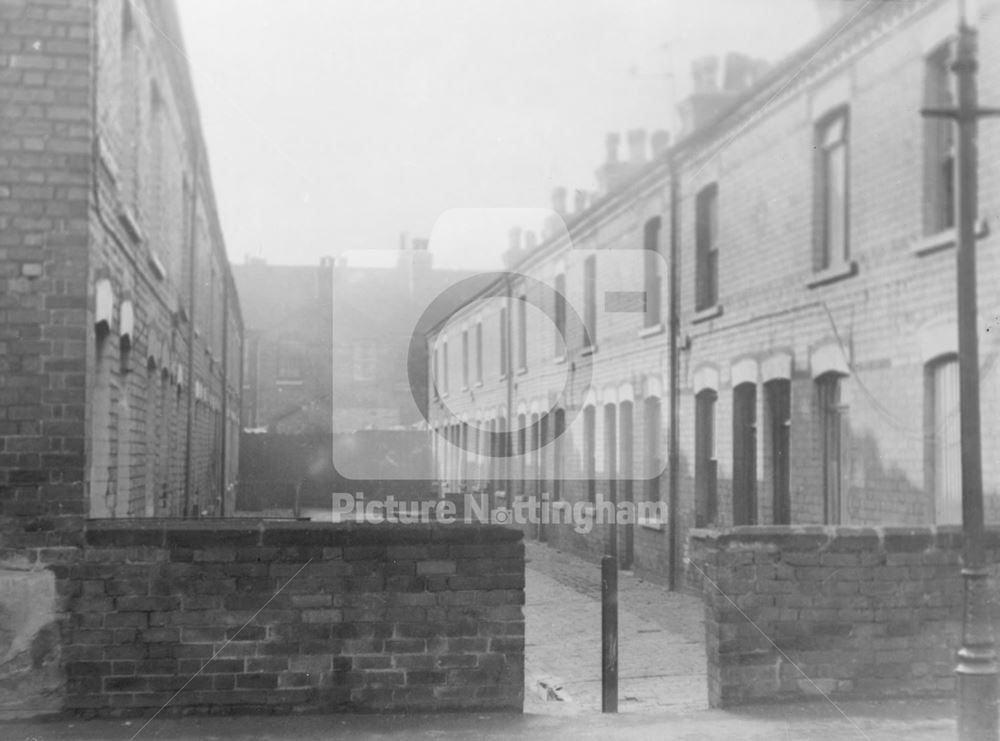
x: 289, y: 362
x: 939, y: 145
x: 479, y: 352
x: 558, y: 430
x: 560, y: 312
x: 832, y: 218
x: 831, y: 414
x: 130, y: 125
x: 944, y: 455
x: 705, y: 464
x: 437, y: 371
x: 465, y: 358
x: 706, y: 248
x: 522, y: 332
x: 590, y: 452
x: 365, y: 353
x: 444, y: 366
x: 745, y: 454
x: 651, y: 271
x: 504, y: 364
x: 590, y: 301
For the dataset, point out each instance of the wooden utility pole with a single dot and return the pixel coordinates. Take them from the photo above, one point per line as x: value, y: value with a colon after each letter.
x: 977, y: 663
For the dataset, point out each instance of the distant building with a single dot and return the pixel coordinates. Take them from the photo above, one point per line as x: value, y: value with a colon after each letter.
x: 120, y: 328
x: 806, y: 298
x: 327, y: 346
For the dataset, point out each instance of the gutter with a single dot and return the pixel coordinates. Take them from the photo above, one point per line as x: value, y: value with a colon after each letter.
x: 192, y: 233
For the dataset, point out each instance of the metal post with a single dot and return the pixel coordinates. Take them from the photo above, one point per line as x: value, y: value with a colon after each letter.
x: 609, y: 634
x: 977, y: 666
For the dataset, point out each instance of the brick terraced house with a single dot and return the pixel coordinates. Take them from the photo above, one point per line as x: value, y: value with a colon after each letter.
x: 794, y: 360
x: 120, y: 328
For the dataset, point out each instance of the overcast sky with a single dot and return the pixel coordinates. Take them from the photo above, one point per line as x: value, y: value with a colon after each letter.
x: 335, y: 125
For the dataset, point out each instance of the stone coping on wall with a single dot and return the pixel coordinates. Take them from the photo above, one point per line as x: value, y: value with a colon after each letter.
x: 263, y: 532
x: 890, y: 537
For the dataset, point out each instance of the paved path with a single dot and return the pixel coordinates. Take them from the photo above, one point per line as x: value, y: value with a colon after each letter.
x: 661, y: 640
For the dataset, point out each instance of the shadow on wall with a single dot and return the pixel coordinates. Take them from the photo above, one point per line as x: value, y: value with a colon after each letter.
x: 295, y: 472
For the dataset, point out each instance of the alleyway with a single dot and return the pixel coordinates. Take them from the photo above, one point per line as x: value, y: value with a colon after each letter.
x: 661, y: 639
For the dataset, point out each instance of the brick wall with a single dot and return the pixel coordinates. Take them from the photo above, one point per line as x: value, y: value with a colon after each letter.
x: 793, y: 612
x: 274, y: 617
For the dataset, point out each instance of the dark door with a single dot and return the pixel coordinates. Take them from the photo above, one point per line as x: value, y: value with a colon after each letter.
x: 745, y: 454
x: 779, y: 405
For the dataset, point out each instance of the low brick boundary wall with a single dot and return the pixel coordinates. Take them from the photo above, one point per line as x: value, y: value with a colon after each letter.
x: 792, y: 612
x: 217, y: 616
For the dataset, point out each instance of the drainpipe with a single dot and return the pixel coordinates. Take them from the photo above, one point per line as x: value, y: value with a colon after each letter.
x: 674, y: 442
x: 192, y: 231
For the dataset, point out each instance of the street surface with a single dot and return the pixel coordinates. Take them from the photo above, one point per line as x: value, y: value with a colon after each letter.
x: 660, y: 637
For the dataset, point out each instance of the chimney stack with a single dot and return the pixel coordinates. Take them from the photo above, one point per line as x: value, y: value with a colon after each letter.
x: 637, y: 146
x: 660, y: 142
x: 704, y: 75
x: 559, y: 200
x: 611, y: 147
x: 530, y: 241
x: 579, y: 201
x: 419, y: 245
x: 514, y: 238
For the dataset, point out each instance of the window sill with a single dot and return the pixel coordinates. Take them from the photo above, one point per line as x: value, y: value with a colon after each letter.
x: 651, y: 523
x: 479, y: 384
x: 286, y: 382
x: 465, y: 388
x: 159, y: 270
x: 588, y: 350
x: 706, y: 314
x: 559, y: 360
x: 945, y: 239
x: 521, y: 371
x: 833, y: 273
x: 127, y: 219
x: 651, y: 331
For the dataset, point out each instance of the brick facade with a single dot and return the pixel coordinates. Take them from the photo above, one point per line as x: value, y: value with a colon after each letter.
x: 121, y: 332
x: 794, y: 612
x: 847, y: 358
x: 276, y: 617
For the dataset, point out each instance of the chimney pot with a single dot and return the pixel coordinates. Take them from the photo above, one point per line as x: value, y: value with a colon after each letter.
x: 530, y: 240
x: 579, y: 201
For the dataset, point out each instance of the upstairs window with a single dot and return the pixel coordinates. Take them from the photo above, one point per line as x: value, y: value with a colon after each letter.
x: 832, y: 244
x: 365, y: 354
x: 590, y: 301
x: 707, y: 247
x: 504, y: 362
x: 289, y: 362
x: 444, y: 367
x: 560, y: 311
x: 939, y: 144
x: 465, y: 358
x: 479, y: 352
x: 522, y: 332
x: 651, y: 270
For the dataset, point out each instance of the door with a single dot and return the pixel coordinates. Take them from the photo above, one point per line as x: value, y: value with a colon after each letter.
x: 779, y: 408
x: 745, y: 454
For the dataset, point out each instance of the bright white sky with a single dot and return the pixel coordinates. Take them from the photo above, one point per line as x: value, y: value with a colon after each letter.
x: 335, y: 125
